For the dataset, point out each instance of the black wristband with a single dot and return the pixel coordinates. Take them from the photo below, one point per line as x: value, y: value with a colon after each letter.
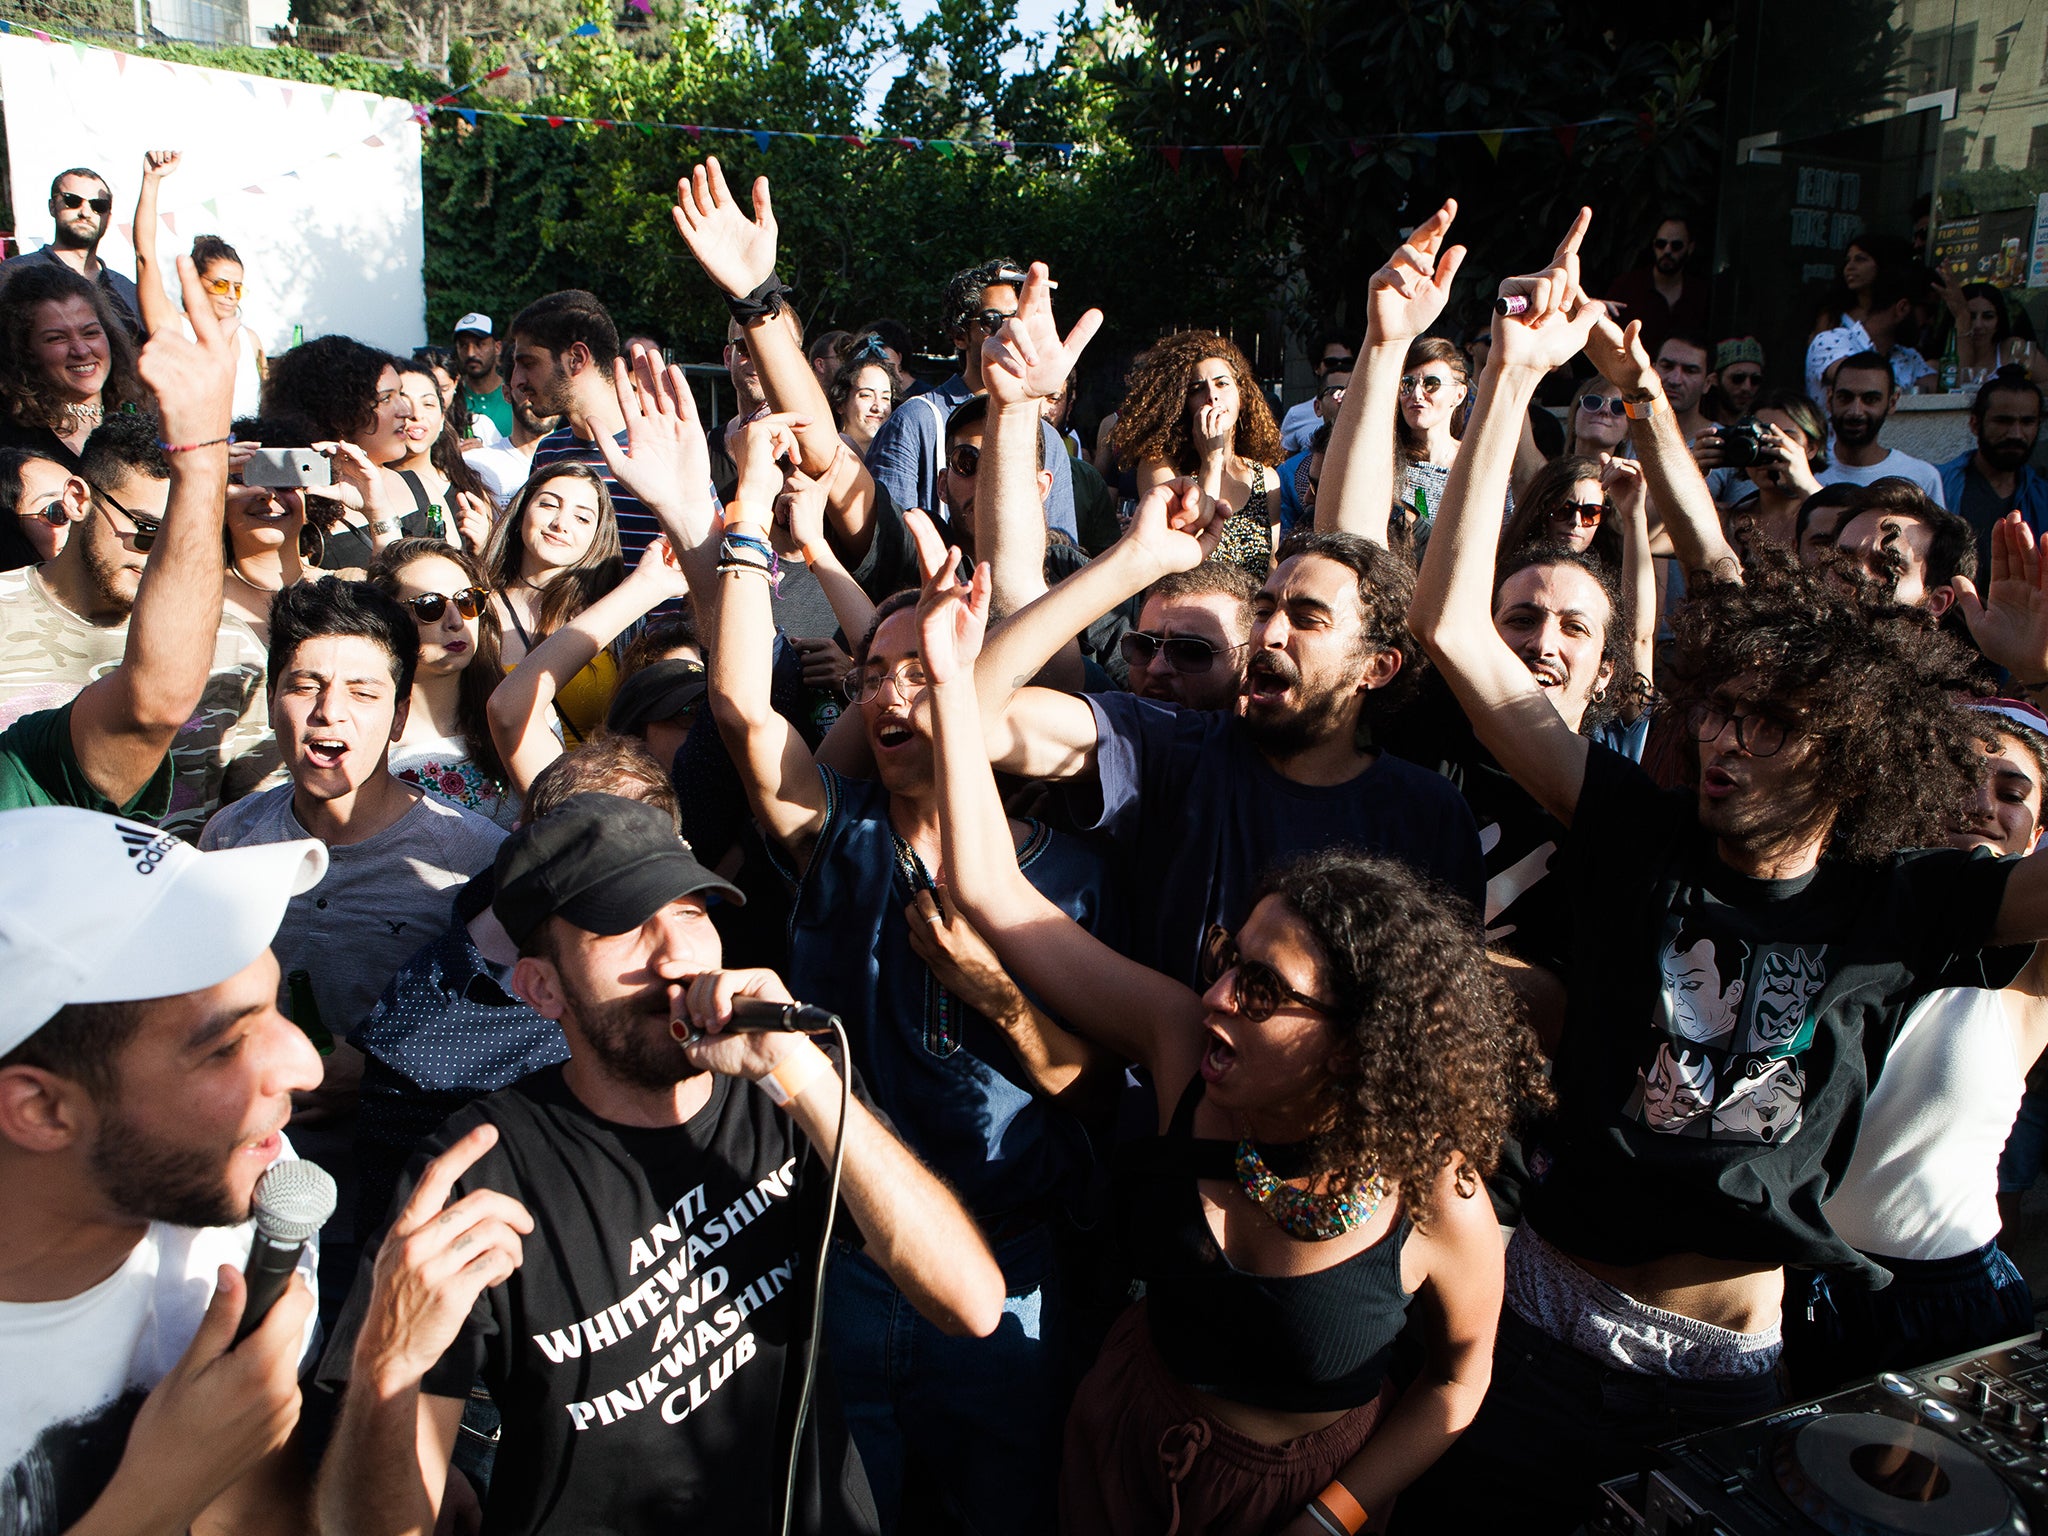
x: 763, y: 302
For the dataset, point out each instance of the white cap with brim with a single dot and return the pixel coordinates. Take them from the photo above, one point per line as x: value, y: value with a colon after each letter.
x: 99, y: 909
x: 473, y: 324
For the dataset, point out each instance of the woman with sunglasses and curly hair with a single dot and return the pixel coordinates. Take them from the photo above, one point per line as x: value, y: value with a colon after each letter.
x: 554, y: 553
x: 445, y: 746
x: 66, y: 361
x: 1328, y: 1109
x: 864, y: 391
x: 1194, y: 408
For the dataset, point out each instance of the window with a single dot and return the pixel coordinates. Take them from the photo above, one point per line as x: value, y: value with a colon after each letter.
x: 1990, y: 156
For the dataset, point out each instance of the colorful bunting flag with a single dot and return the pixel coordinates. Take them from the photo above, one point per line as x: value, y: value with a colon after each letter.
x: 1298, y: 153
x: 1492, y: 141
x: 212, y: 207
x: 1233, y: 156
x: 1567, y: 136
x: 588, y: 29
x: 760, y: 140
x: 1172, y: 154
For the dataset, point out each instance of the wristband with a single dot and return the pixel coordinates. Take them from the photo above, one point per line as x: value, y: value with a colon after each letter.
x: 1339, y: 1505
x: 1323, y: 1521
x: 794, y: 1073
x: 1642, y: 410
x: 211, y: 442
x: 763, y: 302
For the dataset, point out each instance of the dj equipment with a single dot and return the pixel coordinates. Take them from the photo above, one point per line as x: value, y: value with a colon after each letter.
x: 1959, y: 1448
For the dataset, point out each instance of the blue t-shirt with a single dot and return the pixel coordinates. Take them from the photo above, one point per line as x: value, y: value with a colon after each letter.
x: 944, y: 1075
x: 905, y: 455
x: 1199, y: 815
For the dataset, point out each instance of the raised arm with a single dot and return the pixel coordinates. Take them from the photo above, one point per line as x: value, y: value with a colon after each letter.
x: 1138, y: 1013
x: 1045, y: 734
x: 775, y: 764
x: 1622, y: 480
x: 157, y: 312
x: 1452, y: 612
x: 1679, y: 498
x: 738, y: 254
x: 122, y: 724
x: 801, y: 506
x: 1403, y: 300
x: 1023, y: 364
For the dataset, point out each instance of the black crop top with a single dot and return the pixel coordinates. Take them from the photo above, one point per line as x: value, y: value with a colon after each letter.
x: 1296, y: 1343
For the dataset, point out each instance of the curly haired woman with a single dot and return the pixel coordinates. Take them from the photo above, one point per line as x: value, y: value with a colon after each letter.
x: 65, y: 360
x: 1328, y: 1109
x: 1194, y: 408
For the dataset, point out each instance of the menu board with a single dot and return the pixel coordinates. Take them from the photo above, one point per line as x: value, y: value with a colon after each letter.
x: 1998, y: 248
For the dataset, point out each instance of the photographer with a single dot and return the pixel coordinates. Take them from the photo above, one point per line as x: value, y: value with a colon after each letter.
x: 1761, y: 468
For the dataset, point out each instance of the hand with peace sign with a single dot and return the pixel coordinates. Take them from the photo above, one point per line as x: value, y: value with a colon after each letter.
x: 1405, y: 297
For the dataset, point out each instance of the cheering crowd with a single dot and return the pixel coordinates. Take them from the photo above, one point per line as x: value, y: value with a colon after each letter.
x: 1392, y: 959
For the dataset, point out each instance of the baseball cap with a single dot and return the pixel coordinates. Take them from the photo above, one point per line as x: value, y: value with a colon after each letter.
x: 100, y: 909
x: 601, y: 862
x: 481, y: 324
x: 659, y: 691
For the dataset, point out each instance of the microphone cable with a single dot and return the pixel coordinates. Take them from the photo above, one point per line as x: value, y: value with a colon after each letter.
x: 803, y: 1397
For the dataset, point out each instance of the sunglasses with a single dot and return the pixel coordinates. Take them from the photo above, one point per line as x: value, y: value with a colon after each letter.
x: 1742, y: 380
x: 1428, y: 383
x: 1668, y: 245
x: 991, y: 320
x: 1339, y: 364
x: 429, y: 606
x: 75, y: 199
x: 142, y: 535
x: 226, y: 288
x: 1257, y: 991
x: 1587, y: 514
x: 1334, y: 392
x: 1189, y: 655
x: 1611, y: 404
x: 965, y: 459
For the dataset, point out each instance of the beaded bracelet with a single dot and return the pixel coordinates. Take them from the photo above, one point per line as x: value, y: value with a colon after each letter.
x: 211, y: 442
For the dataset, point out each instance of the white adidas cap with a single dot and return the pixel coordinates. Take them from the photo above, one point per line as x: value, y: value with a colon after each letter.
x: 99, y: 909
x: 480, y: 324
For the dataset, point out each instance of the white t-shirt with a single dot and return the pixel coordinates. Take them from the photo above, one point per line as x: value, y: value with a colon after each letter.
x: 1902, y: 465
x: 504, y: 468
x: 77, y: 1370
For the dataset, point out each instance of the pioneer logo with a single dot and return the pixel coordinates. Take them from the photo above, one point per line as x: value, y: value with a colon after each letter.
x: 147, y: 847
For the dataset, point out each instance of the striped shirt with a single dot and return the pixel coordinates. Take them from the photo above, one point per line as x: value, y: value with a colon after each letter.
x: 637, y: 525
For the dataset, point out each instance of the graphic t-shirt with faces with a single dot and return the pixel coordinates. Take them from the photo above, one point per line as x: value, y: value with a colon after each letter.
x: 1721, y: 1030
x: 646, y: 1355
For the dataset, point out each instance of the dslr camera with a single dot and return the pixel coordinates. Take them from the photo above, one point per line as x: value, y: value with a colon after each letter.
x: 1743, y: 445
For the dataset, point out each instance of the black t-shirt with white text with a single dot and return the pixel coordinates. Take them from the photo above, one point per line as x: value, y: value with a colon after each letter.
x: 646, y: 1355
x: 1721, y: 1030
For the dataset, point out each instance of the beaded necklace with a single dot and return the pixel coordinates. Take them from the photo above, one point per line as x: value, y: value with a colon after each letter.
x: 1302, y: 1213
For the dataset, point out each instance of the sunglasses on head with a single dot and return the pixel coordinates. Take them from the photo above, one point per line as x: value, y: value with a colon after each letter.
x: 965, y: 459
x: 1257, y: 990
x: 429, y: 606
x: 1189, y: 655
x: 142, y: 535
x: 227, y: 288
x: 75, y: 199
x: 1587, y: 514
x: 1611, y: 404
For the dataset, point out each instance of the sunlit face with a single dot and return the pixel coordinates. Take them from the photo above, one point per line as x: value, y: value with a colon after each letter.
x: 202, y: 1093
x: 539, y: 377
x: 1215, y: 385
x: 741, y: 369
x: 1310, y: 663
x: 1431, y: 393
x: 869, y: 403
x: 50, y: 504
x: 385, y: 440
x: 107, y: 542
x: 1577, y: 519
x: 1597, y: 430
x: 1683, y: 370
x: 1858, y: 404
x: 1894, y: 550
x: 903, y: 750
x: 1555, y: 617
x: 263, y: 518
x: 1216, y: 619
x: 560, y: 523
x: 1282, y: 1063
x: 425, y: 413
x: 336, y: 711
x: 1981, y: 317
x: 71, y: 349
x: 224, y: 282
x: 2006, y: 817
x: 80, y: 227
x: 961, y: 475
x: 447, y: 644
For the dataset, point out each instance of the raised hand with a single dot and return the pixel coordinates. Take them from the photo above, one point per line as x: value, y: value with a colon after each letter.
x: 1175, y: 528
x: 800, y: 512
x: 1215, y: 427
x: 760, y: 451
x: 1622, y: 359
x: 1026, y: 360
x: 657, y: 574
x: 1404, y: 298
x: 193, y: 380
x: 736, y: 252
x: 1791, y: 471
x: 664, y: 461
x: 943, y: 938
x: 159, y: 163
x: 434, y: 1263
x: 952, y: 616
x: 2010, y: 621
x: 474, y: 520
x: 701, y: 1008
x: 1621, y: 480
x: 1554, y: 327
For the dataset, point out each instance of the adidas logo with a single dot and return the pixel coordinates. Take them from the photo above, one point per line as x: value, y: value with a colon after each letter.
x: 146, y: 846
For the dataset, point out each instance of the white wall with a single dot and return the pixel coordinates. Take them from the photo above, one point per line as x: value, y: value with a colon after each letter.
x: 328, y: 225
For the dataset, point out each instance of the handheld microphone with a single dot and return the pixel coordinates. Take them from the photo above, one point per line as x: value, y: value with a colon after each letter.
x: 293, y: 1201
x: 758, y: 1016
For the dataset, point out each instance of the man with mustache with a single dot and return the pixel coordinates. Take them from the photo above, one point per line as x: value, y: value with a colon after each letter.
x: 1984, y: 483
x: 1858, y: 402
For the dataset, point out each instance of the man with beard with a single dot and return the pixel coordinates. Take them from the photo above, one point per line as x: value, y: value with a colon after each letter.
x: 80, y: 203
x: 624, y: 1245
x: 1737, y: 379
x: 1910, y: 547
x: 145, y: 1080
x: 66, y: 623
x: 476, y: 355
x: 505, y: 464
x: 1984, y: 483
x: 1860, y: 398
x: 1684, y: 1167
x: 1660, y: 295
x: 1194, y: 629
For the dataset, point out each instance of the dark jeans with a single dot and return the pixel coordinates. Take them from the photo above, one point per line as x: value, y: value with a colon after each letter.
x: 1555, y: 1425
x: 1837, y: 1329
x: 983, y: 1416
